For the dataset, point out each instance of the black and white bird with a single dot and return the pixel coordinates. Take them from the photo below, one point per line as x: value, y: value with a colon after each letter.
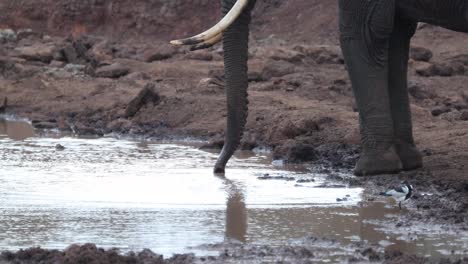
x: 401, y: 193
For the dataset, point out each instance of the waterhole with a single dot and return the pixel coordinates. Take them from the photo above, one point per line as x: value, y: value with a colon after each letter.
x: 132, y: 194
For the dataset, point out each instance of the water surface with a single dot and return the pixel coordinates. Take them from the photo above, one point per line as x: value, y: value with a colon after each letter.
x: 163, y: 196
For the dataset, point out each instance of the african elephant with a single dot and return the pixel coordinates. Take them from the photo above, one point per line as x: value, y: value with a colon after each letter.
x: 375, y: 37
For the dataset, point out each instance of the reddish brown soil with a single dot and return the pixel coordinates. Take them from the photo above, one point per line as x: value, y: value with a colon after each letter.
x: 300, y: 95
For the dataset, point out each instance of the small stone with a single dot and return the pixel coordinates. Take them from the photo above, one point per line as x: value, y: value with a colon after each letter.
x: 255, y: 77
x: 115, y: 70
x: 38, y: 52
x: 44, y: 125
x: 210, y: 83
x: 7, y: 35
x: 57, y: 64
x: 305, y: 180
x: 438, y: 69
x: 280, y: 53
x: 420, y: 93
x: 296, y: 152
x: 277, y: 69
x: 464, y: 116
x: 59, y: 147
x: 160, y: 53
x: 200, y: 55
x: 420, y: 54
x: 322, y: 54
x: 146, y: 95
x: 215, y: 144
x: 440, y: 110
x: 28, y: 33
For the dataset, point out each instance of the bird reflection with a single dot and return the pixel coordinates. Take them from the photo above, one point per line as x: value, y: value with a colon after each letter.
x: 236, y: 211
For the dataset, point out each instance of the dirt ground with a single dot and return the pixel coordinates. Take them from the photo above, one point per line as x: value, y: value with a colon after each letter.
x: 100, y: 67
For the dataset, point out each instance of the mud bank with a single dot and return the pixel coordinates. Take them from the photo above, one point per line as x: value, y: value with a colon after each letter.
x: 310, y: 250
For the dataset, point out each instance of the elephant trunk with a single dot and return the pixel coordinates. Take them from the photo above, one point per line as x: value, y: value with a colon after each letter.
x: 235, y: 42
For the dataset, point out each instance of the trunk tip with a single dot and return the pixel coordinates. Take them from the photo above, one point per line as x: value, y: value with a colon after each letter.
x: 219, y: 171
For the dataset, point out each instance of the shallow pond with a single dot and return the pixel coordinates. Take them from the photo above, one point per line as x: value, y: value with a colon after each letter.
x: 134, y: 194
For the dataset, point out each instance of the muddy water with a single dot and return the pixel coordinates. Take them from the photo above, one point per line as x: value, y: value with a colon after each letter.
x: 135, y: 194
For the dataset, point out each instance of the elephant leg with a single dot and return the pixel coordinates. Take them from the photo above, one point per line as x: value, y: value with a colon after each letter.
x: 365, y: 28
x: 235, y: 43
x: 410, y: 157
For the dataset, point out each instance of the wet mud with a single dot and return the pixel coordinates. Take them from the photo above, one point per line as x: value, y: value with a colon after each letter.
x: 80, y: 74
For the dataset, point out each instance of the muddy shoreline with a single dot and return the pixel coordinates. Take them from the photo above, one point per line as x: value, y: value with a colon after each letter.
x: 309, y: 251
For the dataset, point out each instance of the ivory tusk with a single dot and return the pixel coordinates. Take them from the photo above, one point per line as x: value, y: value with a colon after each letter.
x: 208, y: 43
x: 217, y: 29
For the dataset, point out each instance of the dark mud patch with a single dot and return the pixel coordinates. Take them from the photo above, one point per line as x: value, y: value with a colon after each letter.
x: 435, y: 200
x: 308, y: 250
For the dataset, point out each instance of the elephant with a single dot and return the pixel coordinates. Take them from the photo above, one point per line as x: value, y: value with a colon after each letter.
x: 375, y: 39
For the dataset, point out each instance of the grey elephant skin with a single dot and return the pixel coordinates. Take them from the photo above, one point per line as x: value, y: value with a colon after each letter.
x: 375, y: 38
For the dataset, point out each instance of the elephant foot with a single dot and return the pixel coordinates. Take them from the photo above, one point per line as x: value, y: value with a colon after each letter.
x: 378, y: 162
x: 409, y: 155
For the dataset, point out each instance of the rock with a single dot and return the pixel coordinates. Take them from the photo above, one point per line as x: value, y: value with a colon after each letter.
x: 277, y: 69
x: 70, y: 55
x: 202, y: 55
x: 120, y: 125
x: 101, y: 51
x: 146, y: 95
x: 268, y: 177
x: 293, y: 151
x: 464, y: 115
x: 322, y: 54
x: 7, y: 35
x: 37, y: 52
x: 255, y: 77
x: 438, y: 69
x: 57, y: 64
x: 280, y: 54
x: 115, y: 70
x: 464, y: 96
x: 28, y: 33
x: 210, y: 83
x: 290, y: 130
x: 460, y: 106
x: 3, y: 105
x: 420, y: 54
x: 148, y: 256
x: 7, y: 67
x: 76, y: 52
x: 86, y: 130
x: 161, y: 52
x: 59, y: 147
x: 306, y: 126
x: 437, y: 111
x: 44, y: 125
x: 213, y: 145
x: 248, y: 144
x: 420, y: 93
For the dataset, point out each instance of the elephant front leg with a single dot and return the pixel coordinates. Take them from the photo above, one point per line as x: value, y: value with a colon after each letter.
x: 365, y: 28
x: 410, y: 157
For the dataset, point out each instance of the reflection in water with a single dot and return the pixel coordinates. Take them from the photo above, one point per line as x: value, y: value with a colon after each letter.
x: 236, y: 211
x: 16, y: 130
x: 134, y: 195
